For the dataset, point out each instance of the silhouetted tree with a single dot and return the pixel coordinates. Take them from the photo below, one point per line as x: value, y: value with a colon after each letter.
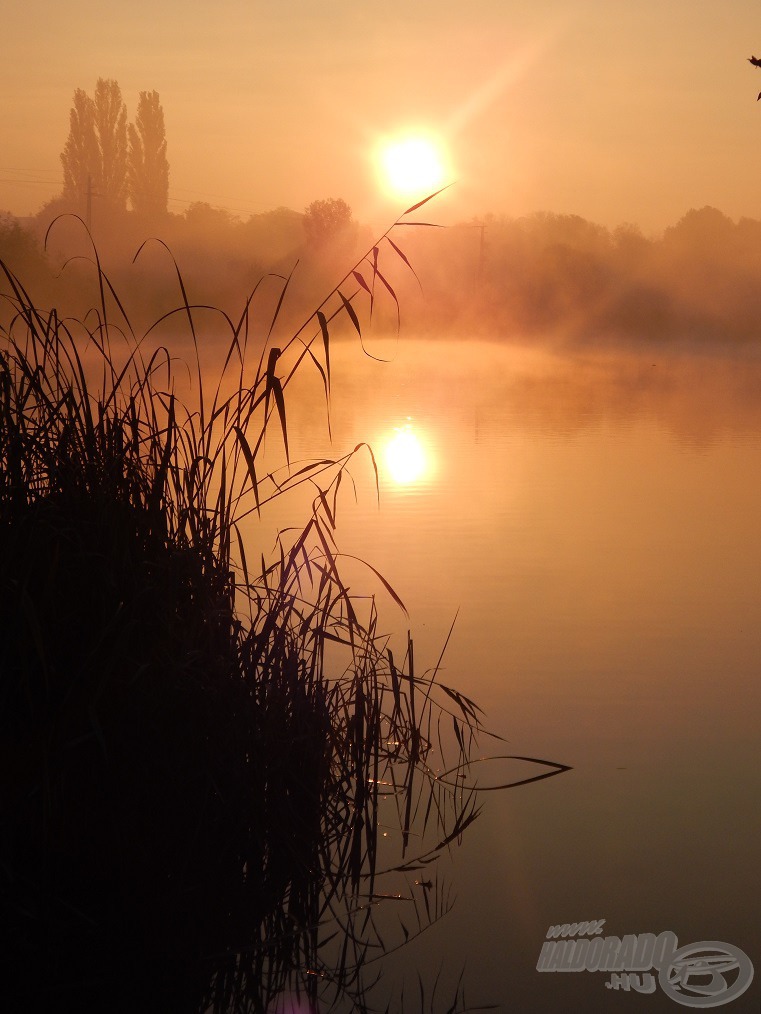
x: 273, y: 234
x: 705, y: 232
x: 95, y: 153
x: 147, y: 167
x: 80, y: 154
x: 111, y: 131
x: 19, y: 247
x: 756, y: 63
x: 325, y: 220
x: 205, y: 217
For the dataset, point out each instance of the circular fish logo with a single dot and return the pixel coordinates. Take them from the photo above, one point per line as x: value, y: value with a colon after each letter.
x: 706, y: 974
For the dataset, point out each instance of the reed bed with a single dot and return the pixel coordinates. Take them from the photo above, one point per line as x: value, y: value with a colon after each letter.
x: 199, y: 752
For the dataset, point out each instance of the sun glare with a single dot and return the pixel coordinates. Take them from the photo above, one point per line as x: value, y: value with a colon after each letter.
x: 405, y: 456
x: 413, y: 167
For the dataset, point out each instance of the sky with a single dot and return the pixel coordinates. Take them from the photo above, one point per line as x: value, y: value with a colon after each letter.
x: 608, y: 109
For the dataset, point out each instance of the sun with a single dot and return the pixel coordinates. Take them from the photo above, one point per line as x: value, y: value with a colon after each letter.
x: 412, y: 167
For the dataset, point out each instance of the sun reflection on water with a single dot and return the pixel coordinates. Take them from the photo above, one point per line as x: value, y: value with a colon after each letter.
x: 406, y: 456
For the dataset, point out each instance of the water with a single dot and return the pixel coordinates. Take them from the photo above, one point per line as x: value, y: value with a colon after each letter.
x: 594, y: 524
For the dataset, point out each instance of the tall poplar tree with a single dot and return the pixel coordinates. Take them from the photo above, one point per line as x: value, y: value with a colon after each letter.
x: 80, y: 154
x: 147, y: 166
x: 111, y: 132
x: 94, y: 158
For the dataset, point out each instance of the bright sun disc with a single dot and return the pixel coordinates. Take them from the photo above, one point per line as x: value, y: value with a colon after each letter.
x: 412, y: 167
x: 405, y: 456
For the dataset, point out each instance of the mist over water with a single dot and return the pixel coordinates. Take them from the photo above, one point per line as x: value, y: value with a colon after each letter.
x: 591, y: 522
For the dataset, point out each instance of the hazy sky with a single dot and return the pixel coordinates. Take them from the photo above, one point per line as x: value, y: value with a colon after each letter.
x: 611, y: 109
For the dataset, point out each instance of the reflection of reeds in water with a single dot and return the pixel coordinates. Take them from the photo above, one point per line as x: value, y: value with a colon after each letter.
x: 195, y: 755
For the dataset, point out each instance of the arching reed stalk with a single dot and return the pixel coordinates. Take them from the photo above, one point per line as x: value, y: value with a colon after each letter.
x: 197, y: 754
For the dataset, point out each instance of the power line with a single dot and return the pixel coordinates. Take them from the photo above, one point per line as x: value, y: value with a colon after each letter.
x: 30, y: 179
x: 221, y: 207
x: 217, y: 197
x: 34, y: 180
x: 15, y: 169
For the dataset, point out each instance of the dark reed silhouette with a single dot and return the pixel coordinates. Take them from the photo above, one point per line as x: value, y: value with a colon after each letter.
x: 196, y: 753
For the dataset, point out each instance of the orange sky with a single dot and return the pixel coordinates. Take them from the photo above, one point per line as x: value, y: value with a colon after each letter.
x: 613, y: 110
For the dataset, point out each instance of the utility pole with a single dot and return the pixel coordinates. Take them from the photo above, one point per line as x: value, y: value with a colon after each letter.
x: 88, y: 215
x: 481, y: 247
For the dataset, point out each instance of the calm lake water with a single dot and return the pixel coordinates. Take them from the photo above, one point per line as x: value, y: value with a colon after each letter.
x: 594, y: 523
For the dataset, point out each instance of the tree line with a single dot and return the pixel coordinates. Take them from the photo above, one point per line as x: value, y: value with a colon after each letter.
x: 564, y: 279
x: 113, y: 161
